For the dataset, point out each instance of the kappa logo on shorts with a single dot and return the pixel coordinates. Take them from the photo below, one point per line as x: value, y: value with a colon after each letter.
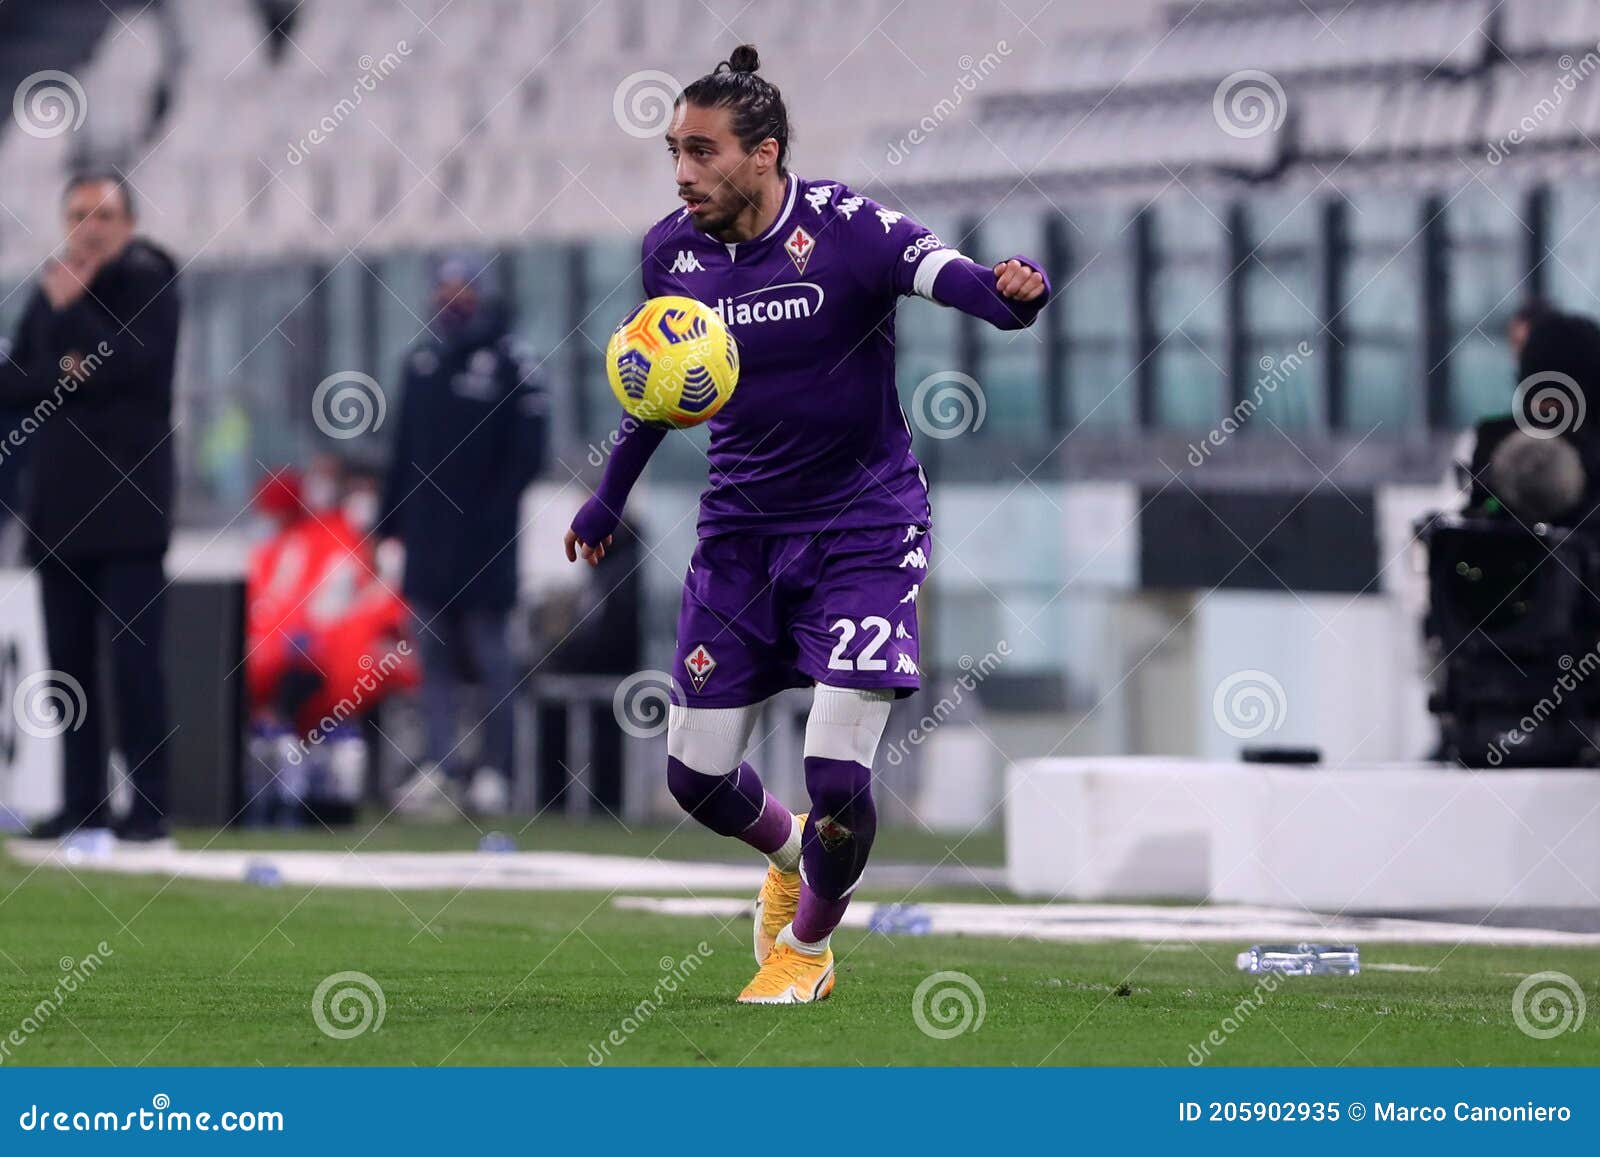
x: 904, y: 666
x: 700, y: 664
x: 900, y: 632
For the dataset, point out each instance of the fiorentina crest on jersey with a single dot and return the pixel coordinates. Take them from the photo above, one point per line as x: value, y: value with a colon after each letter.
x: 799, y: 247
x: 700, y: 664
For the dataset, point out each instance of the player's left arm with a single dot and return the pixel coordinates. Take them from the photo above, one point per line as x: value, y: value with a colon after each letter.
x: 1007, y: 296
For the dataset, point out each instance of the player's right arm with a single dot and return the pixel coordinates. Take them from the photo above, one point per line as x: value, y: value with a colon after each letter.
x: 592, y: 527
x: 632, y: 444
x: 634, y: 440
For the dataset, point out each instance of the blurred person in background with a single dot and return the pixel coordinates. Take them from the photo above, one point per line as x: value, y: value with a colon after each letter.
x: 92, y: 363
x: 1540, y: 461
x: 327, y: 642
x: 1521, y: 323
x: 471, y: 439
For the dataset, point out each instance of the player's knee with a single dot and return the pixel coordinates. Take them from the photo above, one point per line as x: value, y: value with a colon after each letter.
x: 692, y: 789
x: 846, y: 723
x: 841, y: 793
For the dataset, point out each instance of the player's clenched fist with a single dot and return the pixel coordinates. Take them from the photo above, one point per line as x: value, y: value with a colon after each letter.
x: 591, y: 554
x: 1018, y: 281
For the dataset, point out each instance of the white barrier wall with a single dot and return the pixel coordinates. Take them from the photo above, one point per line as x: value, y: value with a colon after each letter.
x: 1370, y: 838
x: 30, y: 761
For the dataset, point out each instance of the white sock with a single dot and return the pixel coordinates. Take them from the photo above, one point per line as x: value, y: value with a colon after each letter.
x: 787, y: 858
x: 788, y: 937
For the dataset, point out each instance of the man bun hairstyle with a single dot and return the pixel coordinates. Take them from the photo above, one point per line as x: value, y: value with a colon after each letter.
x: 754, y: 103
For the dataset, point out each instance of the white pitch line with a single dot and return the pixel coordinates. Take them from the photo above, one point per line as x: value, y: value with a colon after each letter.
x: 1231, y: 924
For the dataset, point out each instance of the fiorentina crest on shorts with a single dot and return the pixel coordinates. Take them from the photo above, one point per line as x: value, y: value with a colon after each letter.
x: 700, y: 665
x: 799, y: 247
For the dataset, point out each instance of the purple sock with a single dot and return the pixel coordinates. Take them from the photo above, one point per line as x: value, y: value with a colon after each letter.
x: 734, y: 804
x: 816, y: 917
x: 834, y: 846
x: 772, y: 830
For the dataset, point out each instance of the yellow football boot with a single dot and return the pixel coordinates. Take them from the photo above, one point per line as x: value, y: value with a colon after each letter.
x: 776, y: 904
x: 789, y: 976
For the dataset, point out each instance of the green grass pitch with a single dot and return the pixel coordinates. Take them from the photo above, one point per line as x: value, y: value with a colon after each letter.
x: 217, y: 974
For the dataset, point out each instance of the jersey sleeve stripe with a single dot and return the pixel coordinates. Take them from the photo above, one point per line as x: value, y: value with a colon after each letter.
x: 928, y: 271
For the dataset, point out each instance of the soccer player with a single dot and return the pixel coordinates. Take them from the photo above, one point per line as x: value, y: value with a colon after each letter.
x: 813, y: 532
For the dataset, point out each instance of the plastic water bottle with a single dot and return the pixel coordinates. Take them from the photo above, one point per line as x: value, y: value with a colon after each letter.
x: 263, y: 873
x: 900, y: 920
x: 497, y: 842
x: 1302, y: 959
x: 347, y: 763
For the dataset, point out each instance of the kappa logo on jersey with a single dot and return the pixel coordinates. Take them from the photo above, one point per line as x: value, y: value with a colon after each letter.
x: 818, y: 196
x: 913, y: 530
x: 799, y: 247
x: 700, y: 664
x: 848, y: 207
x: 889, y: 217
x: 686, y: 262
x: 916, y: 557
x: 904, y: 666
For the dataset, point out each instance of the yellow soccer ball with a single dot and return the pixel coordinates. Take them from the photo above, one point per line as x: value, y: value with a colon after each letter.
x: 672, y: 360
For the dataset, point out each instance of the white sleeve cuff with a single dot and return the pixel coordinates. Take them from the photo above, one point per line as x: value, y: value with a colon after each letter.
x: 928, y: 271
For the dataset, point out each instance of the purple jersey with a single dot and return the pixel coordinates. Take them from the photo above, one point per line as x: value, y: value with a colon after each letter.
x: 813, y: 438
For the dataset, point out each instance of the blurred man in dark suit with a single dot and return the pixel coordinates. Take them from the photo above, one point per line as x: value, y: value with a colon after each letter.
x: 91, y: 366
x: 471, y: 439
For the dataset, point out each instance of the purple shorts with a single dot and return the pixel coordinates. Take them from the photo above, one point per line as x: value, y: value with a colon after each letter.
x: 762, y: 613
